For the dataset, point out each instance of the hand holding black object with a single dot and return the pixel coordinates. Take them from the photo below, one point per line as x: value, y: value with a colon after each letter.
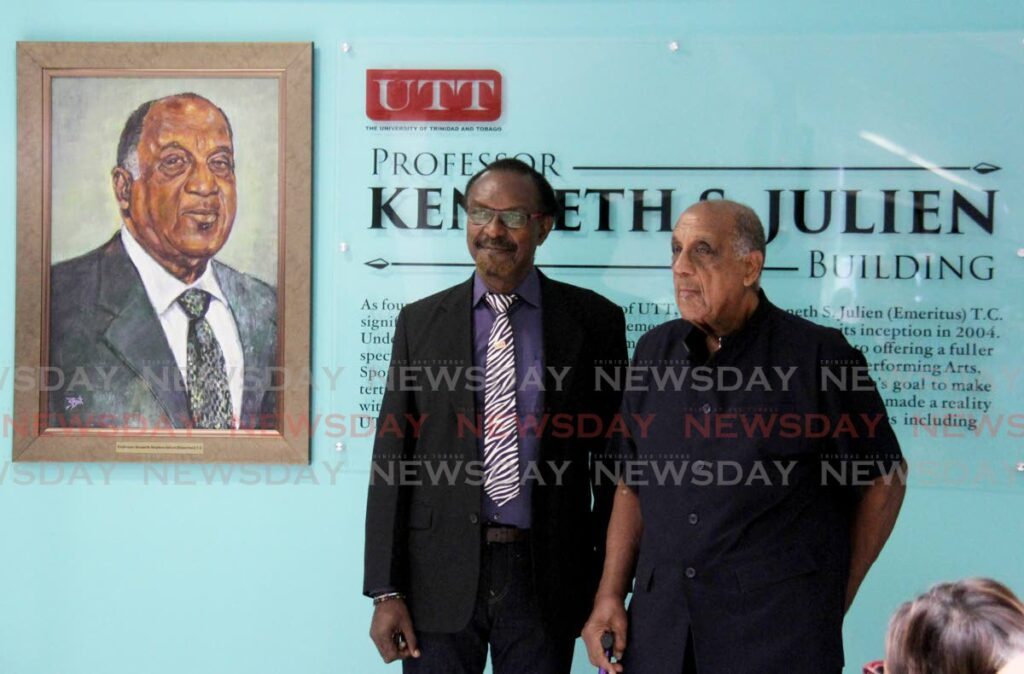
x: 608, y: 619
x: 391, y: 631
x: 607, y: 642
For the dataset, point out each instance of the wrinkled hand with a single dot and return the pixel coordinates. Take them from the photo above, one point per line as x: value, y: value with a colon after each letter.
x: 609, y: 615
x: 391, y: 618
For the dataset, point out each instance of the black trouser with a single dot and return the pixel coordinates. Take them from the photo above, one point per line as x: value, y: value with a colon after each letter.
x: 506, y: 618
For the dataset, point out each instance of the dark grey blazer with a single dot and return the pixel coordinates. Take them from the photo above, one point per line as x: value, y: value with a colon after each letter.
x: 425, y: 539
x: 110, y: 361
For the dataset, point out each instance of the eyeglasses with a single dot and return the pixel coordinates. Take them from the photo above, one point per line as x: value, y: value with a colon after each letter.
x: 481, y: 216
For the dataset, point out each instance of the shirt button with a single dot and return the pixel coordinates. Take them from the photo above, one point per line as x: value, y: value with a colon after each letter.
x: 473, y: 519
x: 693, y: 519
x: 690, y: 572
x: 706, y: 409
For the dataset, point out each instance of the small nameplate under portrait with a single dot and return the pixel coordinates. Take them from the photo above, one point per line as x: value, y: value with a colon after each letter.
x: 159, y: 448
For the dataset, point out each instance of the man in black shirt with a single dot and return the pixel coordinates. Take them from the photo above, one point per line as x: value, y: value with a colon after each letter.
x: 753, y: 504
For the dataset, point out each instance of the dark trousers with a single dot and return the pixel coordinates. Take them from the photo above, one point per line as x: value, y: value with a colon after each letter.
x: 506, y: 618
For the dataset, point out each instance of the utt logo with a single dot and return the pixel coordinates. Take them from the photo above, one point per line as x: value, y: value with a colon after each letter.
x: 433, y: 95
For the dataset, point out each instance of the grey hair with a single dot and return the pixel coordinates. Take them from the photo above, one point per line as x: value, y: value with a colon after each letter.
x: 749, y: 234
x: 128, y: 146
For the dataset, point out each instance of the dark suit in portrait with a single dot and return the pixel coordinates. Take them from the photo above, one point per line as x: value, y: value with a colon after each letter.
x: 117, y: 367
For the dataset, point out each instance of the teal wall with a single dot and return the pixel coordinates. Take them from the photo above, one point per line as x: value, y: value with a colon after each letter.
x: 163, y: 572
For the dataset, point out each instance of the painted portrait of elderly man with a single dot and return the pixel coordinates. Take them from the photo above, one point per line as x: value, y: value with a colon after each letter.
x: 163, y: 301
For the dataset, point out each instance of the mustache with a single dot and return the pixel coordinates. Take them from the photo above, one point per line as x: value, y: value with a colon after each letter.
x: 501, y: 242
x: 202, y: 207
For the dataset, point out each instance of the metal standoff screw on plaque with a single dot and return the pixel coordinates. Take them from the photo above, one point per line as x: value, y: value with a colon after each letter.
x: 1020, y: 466
x: 673, y: 46
x: 345, y: 47
x: 1020, y: 252
x: 339, y: 446
x: 343, y: 247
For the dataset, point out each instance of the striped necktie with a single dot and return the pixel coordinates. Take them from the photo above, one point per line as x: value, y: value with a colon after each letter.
x: 501, y: 439
x: 209, y: 397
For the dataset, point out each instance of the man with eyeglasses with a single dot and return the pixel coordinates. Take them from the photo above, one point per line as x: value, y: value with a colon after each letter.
x: 504, y: 550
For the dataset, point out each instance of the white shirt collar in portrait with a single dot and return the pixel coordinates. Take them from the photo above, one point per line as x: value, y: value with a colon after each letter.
x: 163, y: 289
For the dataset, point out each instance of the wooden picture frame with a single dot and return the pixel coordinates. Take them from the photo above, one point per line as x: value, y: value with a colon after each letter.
x: 93, y: 380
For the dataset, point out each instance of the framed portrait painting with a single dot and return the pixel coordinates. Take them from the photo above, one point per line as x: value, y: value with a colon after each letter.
x: 163, y: 263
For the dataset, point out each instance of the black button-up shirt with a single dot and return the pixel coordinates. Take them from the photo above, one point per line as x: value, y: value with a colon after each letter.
x: 747, y: 472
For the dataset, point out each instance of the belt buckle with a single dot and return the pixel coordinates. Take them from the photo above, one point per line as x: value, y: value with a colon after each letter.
x: 504, y: 534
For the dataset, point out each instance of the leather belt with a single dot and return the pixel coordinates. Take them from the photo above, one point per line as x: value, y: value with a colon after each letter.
x: 500, y: 534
